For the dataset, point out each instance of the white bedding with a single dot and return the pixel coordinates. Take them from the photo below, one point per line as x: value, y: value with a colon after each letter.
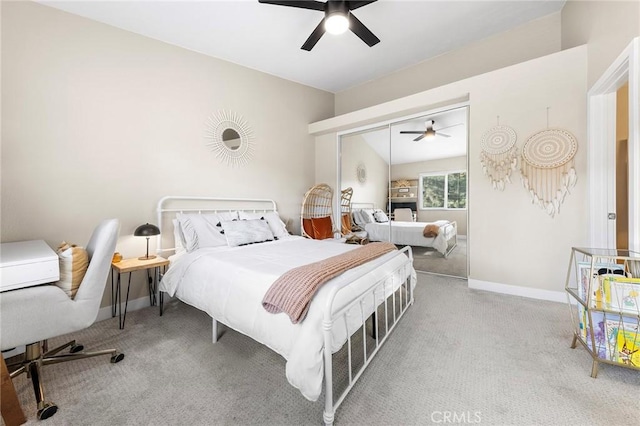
x: 229, y: 284
x: 411, y: 233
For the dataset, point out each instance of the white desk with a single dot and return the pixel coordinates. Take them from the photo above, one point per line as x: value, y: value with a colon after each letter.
x: 27, y: 263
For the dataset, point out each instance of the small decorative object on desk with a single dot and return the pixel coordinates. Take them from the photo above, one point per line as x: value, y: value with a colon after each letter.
x: 117, y: 257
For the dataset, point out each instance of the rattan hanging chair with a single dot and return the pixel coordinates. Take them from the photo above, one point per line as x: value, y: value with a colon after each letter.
x: 345, y: 209
x: 316, y: 216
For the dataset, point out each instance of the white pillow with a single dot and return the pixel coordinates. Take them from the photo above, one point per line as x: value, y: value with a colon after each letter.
x: 243, y: 232
x: 204, y: 230
x: 367, y: 215
x: 277, y: 226
x: 357, y: 218
x: 178, y: 238
x: 380, y: 216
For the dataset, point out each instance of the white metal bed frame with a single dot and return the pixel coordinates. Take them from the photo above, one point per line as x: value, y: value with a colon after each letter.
x: 446, y: 227
x: 392, y: 314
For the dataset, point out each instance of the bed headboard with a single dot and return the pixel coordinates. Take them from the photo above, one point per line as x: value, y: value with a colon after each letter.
x: 169, y: 206
x: 355, y: 206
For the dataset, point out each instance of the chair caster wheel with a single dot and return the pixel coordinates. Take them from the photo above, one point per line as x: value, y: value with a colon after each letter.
x: 76, y: 348
x: 48, y: 409
x: 117, y: 358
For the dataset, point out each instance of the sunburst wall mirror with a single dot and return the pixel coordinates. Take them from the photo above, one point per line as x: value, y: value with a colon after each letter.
x: 229, y: 137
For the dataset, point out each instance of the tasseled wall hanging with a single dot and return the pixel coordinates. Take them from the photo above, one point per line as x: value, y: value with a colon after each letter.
x: 499, y: 154
x: 547, y: 167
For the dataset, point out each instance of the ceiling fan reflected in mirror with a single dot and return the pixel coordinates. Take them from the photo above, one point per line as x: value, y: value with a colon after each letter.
x: 429, y: 133
x: 337, y: 19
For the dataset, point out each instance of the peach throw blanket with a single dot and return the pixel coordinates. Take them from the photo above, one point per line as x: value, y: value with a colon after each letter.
x: 431, y: 231
x: 291, y: 293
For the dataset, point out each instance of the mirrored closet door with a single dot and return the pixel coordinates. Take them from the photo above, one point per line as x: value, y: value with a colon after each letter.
x: 414, y: 170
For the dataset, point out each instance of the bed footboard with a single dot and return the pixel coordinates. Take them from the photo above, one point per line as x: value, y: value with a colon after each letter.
x: 396, y: 299
x: 451, y: 229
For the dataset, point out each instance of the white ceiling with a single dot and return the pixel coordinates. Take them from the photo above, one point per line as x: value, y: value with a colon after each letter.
x: 403, y: 149
x: 268, y: 38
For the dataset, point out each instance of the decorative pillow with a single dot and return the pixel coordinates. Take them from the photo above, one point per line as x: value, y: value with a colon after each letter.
x: 243, y: 232
x: 308, y: 227
x: 322, y: 227
x: 74, y: 262
x: 380, y: 216
x: 367, y: 215
x: 357, y: 218
x: 204, y: 230
x: 277, y: 226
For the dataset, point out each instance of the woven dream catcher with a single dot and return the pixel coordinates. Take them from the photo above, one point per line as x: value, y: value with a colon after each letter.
x: 499, y: 155
x: 547, y: 168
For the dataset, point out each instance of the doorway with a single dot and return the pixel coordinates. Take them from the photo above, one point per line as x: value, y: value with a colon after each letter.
x: 607, y: 149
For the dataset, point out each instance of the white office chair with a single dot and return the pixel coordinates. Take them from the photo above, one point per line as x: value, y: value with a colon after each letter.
x: 403, y: 215
x: 31, y: 315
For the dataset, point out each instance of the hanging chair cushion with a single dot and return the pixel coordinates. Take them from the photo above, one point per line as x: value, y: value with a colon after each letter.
x: 322, y: 228
x: 308, y: 227
x: 346, y: 223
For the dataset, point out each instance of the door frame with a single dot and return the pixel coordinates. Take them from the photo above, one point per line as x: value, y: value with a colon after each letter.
x: 601, y: 150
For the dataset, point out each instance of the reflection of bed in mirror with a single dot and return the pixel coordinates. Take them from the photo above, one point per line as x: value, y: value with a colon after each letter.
x: 440, y: 235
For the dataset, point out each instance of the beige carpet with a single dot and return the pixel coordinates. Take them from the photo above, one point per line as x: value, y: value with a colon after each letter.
x: 492, y: 359
x: 427, y: 259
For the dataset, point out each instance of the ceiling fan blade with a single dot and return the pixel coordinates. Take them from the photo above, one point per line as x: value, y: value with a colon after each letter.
x: 361, y: 31
x: 314, y: 37
x: 448, y: 127
x: 419, y: 138
x: 353, y: 5
x: 442, y: 134
x: 302, y: 4
x: 411, y: 132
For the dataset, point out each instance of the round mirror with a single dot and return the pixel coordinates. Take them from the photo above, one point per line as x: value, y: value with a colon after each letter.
x: 230, y: 138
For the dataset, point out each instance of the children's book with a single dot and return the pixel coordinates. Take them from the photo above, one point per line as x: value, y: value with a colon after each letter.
x: 628, y: 348
x: 621, y: 294
x: 594, y: 297
x: 599, y: 334
x: 613, y: 325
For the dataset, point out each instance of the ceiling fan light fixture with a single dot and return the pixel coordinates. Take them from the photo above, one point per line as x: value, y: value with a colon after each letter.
x: 429, y: 133
x: 336, y: 23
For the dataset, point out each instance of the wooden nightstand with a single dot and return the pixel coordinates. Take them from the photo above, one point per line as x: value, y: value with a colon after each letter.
x: 128, y: 266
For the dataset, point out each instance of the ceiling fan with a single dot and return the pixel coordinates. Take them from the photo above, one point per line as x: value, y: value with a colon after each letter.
x: 429, y: 133
x: 337, y: 19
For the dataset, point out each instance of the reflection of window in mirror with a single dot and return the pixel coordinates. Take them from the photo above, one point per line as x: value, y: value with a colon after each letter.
x: 231, y: 139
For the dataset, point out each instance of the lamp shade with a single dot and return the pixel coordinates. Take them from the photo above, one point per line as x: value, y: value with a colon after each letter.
x: 146, y: 230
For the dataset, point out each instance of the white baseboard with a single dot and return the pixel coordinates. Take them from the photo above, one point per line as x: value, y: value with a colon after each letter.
x: 532, y: 293
x: 143, y: 302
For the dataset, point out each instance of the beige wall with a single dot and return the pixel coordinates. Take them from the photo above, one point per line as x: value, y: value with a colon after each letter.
x: 355, y: 150
x: 531, y: 40
x: 511, y: 242
x: 607, y: 27
x: 413, y: 170
x: 100, y: 122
